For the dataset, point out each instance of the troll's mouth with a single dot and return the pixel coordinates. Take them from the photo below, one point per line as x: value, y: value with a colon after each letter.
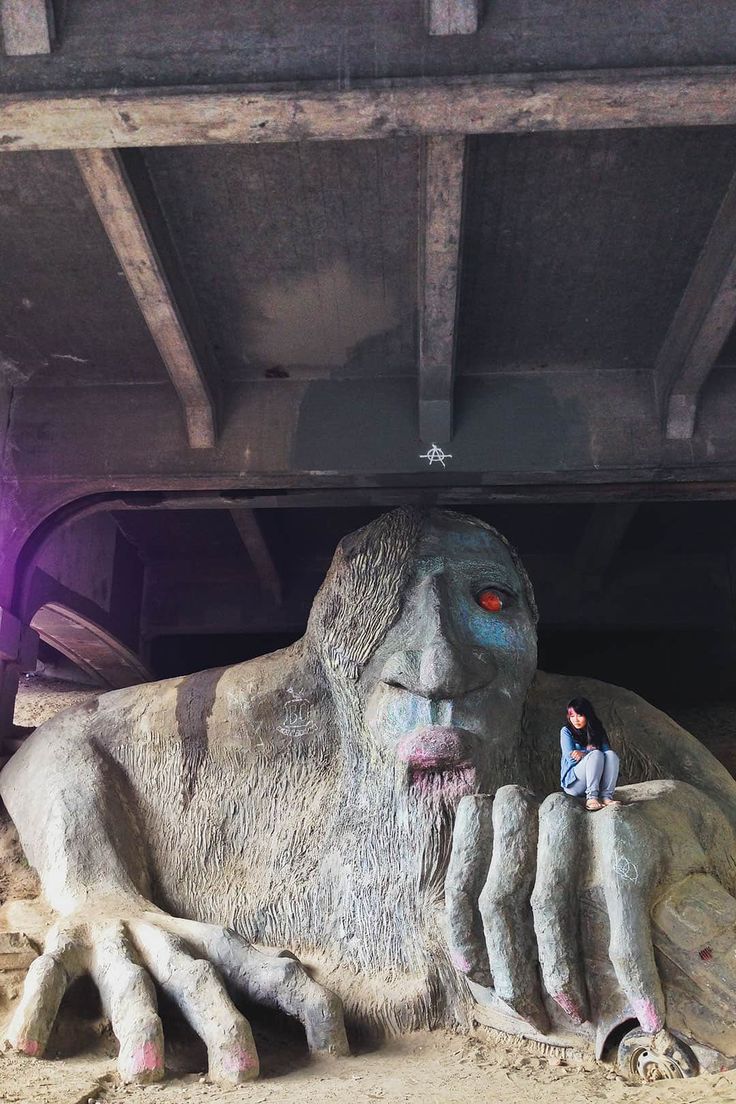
x: 439, y: 760
x: 450, y: 785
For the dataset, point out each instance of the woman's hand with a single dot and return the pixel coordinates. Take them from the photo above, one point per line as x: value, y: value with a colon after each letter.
x: 577, y: 755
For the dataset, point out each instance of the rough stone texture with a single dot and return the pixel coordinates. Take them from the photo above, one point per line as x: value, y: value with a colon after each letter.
x: 307, y: 799
x: 165, y: 43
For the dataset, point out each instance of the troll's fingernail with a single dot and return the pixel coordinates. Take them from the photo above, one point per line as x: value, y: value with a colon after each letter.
x: 647, y: 1015
x: 568, y: 1005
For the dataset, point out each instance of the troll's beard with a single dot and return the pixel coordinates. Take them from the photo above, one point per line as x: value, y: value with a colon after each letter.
x: 378, y: 892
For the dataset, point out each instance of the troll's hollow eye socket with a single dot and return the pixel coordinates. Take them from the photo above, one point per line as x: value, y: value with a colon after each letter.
x: 490, y: 600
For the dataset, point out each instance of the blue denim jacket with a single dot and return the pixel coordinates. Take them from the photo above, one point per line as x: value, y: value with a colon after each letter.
x: 569, y: 743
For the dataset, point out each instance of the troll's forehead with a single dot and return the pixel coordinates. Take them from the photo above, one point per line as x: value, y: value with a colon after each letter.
x: 465, y: 548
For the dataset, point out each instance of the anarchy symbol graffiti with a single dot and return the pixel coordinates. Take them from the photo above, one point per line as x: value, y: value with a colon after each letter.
x: 435, y: 455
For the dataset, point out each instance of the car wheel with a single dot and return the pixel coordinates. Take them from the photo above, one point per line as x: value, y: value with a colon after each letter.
x: 661, y: 1057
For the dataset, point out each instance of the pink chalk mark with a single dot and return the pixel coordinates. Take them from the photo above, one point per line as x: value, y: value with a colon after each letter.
x: 647, y: 1015
x: 147, y: 1058
x: 568, y: 1005
x: 439, y: 761
x: 432, y: 747
x: 31, y: 1047
x: 450, y: 785
x: 460, y: 962
x: 239, y: 1060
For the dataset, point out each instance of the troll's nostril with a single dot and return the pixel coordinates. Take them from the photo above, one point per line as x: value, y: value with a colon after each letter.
x: 395, y: 684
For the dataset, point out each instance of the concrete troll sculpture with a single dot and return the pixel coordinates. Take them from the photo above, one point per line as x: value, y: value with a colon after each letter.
x: 366, y: 829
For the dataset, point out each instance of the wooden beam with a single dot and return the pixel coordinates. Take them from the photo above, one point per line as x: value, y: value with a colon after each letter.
x: 701, y: 324
x: 28, y: 27
x: 252, y: 537
x: 513, y: 103
x: 151, y: 280
x: 440, y: 233
x: 451, y: 17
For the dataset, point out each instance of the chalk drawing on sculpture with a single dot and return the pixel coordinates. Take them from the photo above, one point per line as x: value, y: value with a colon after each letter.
x: 296, y: 721
x: 626, y: 868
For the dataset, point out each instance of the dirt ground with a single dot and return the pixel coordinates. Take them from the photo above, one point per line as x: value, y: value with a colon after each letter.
x: 41, y: 698
x: 422, y: 1069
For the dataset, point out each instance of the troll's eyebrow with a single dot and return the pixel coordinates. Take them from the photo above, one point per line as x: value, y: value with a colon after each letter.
x: 487, y: 571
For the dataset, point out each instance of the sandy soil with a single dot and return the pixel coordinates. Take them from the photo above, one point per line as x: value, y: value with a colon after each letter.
x: 41, y: 698
x: 422, y: 1069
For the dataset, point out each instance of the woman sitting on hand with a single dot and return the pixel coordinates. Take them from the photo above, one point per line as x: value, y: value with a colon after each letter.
x: 588, y: 764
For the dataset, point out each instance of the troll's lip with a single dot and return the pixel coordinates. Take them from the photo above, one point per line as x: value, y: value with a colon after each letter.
x: 436, y: 748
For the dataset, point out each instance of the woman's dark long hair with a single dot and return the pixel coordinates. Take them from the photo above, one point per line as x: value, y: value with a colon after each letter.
x: 595, y: 732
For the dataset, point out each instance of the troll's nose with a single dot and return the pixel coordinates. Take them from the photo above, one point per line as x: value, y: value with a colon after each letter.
x: 438, y: 662
x: 442, y: 669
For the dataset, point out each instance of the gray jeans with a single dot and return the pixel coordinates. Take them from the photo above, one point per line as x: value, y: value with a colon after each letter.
x: 595, y: 775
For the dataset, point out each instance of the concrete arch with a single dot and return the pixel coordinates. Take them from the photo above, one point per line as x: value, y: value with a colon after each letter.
x: 89, y: 646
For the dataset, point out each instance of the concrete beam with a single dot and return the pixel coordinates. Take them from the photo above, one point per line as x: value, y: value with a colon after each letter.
x: 440, y: 232
x: 27, y: 26
x: 451, y: 17
x: 514, y: 103
x: 139, y: 240
x: 119, y: 422
x: 251, y: 534
x: 702, y: 322
x: 332, y: 430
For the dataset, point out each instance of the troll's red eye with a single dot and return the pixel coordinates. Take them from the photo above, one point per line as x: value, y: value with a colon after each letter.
x: 490, y: 600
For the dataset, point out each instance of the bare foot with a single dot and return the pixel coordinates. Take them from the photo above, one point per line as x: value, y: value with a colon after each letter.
x: 611, y: 801
x: 593, y: 805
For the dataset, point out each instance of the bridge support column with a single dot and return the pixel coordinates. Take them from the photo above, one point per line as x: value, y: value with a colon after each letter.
x: 18, y: 652
x: 9, y: 677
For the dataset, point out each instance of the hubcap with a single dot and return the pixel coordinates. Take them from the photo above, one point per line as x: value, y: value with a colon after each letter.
x: 654, y: 1067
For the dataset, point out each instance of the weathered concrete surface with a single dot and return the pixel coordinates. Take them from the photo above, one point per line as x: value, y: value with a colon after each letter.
x: 133, y: 222
x: 306, y: 800
x: 302, y: 260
